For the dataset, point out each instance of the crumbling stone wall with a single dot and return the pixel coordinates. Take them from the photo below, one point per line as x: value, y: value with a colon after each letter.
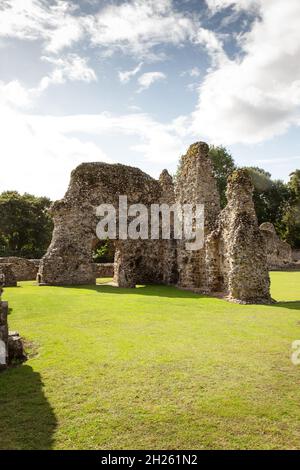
x: 104, y: 269
x: 3, y: 333
x: 232, y: 261
x: 68, y: 259
x: 236, y: 254
x: 279, y: 253
x: 11, y: 344
x: 7, y: 276
x: 23, y: 269
x: 196, y: 185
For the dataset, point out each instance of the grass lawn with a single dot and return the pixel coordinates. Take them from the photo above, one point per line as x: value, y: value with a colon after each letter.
x: 152, y: 368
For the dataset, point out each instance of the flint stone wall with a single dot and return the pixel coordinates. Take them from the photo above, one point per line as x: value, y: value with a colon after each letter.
x: 11, y: 344
x: 279, y: 253
x: 232, y: 261
x: 23, y: 269
x: 104, y: 269
x: 7, y: 276
x: 236, y: 254
x: 3, y: 333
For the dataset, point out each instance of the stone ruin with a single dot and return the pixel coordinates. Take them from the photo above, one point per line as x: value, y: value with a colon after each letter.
x: 232, y: 262
x: 11, y: 344
x: 279, y: 253
x: 7, y: 276
x: 104, y: 269
x: 23, y: 269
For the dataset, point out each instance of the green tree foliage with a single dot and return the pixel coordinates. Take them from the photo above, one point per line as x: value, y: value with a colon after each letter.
x: 291, y: 217
x: 25, y: 225
x: 223, y: 166
x: 104, y: 252
x: 270, y: 198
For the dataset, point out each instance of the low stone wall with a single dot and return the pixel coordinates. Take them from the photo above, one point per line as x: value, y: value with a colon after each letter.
x: 104, y: 269
x: 3, y: 333
x: 296, y: 256
x: 23, y: 269
x: 279, y: 253
x: 35, y: 262
x: 11, y: 344
x: 7, y: 276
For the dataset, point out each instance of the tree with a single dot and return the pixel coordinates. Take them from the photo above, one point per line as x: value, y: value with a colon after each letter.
x: 291, y: 217
x: 223, y: 166
x: 25, y: 225
x: 104, y: 251
x: 270, y: 198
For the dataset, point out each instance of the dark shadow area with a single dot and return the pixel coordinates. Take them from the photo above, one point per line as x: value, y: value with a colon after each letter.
x: 160, y: 290
x: 293, y: 305
x: 27, y: 419
x: 152, y: 290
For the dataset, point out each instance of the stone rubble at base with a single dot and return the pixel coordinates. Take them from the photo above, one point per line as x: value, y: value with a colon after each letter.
x: 11, y: 344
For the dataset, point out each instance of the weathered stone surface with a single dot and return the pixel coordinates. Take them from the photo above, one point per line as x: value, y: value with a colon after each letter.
x: 104, y: 269
x: 236, y: 255
x: 279, y: 253
x: 196, y: 185
x: 23, y: 269
x: 233, y: 259
x: 3, y: 333
x: 7, y: 275
x: 15, y: 348
x: 68, y: 260
x: 11, y: 345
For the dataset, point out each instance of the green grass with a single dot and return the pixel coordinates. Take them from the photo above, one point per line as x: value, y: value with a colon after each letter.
x: 153, y: 367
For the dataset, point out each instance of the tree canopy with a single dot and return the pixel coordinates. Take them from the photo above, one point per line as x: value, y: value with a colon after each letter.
x: 25, y: 225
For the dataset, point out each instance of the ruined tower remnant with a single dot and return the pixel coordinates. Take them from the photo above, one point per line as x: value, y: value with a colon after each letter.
x: 196, y: 185
x: 232, y: 260
x: 236, y: 254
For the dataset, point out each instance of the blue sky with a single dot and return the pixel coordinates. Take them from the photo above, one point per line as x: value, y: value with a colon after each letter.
x: 138, y: 81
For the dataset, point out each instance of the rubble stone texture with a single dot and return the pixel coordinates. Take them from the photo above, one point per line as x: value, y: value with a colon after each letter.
x: 236, y: 253
x: 104, y: 269
x: 23, y: 269
x: 3, y: 333
x: 7, y: 275
x: 232, y: 261
x: 11, y: 344
x: 279, y: 253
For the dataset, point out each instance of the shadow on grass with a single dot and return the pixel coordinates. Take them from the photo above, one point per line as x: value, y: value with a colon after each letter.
x: 293, y: 305
x: 151, y: 290
x: 27, y: 419
x: 161, y: 290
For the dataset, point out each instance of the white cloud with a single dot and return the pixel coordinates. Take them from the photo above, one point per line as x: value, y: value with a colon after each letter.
x: 14, y: 93
x: 252, y: 99
x: 39, y: 152
x: 212, y: 43
x: 147, y: 79
x: 70, y: 67
x: 194, y: 72
x: 35, y: 19
x: 137, y: 26
x: 126, y: 76
x: 38, y: 157
x: 216, y: 5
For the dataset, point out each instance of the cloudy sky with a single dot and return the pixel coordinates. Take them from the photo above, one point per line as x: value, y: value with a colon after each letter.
x: 137, y: 81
